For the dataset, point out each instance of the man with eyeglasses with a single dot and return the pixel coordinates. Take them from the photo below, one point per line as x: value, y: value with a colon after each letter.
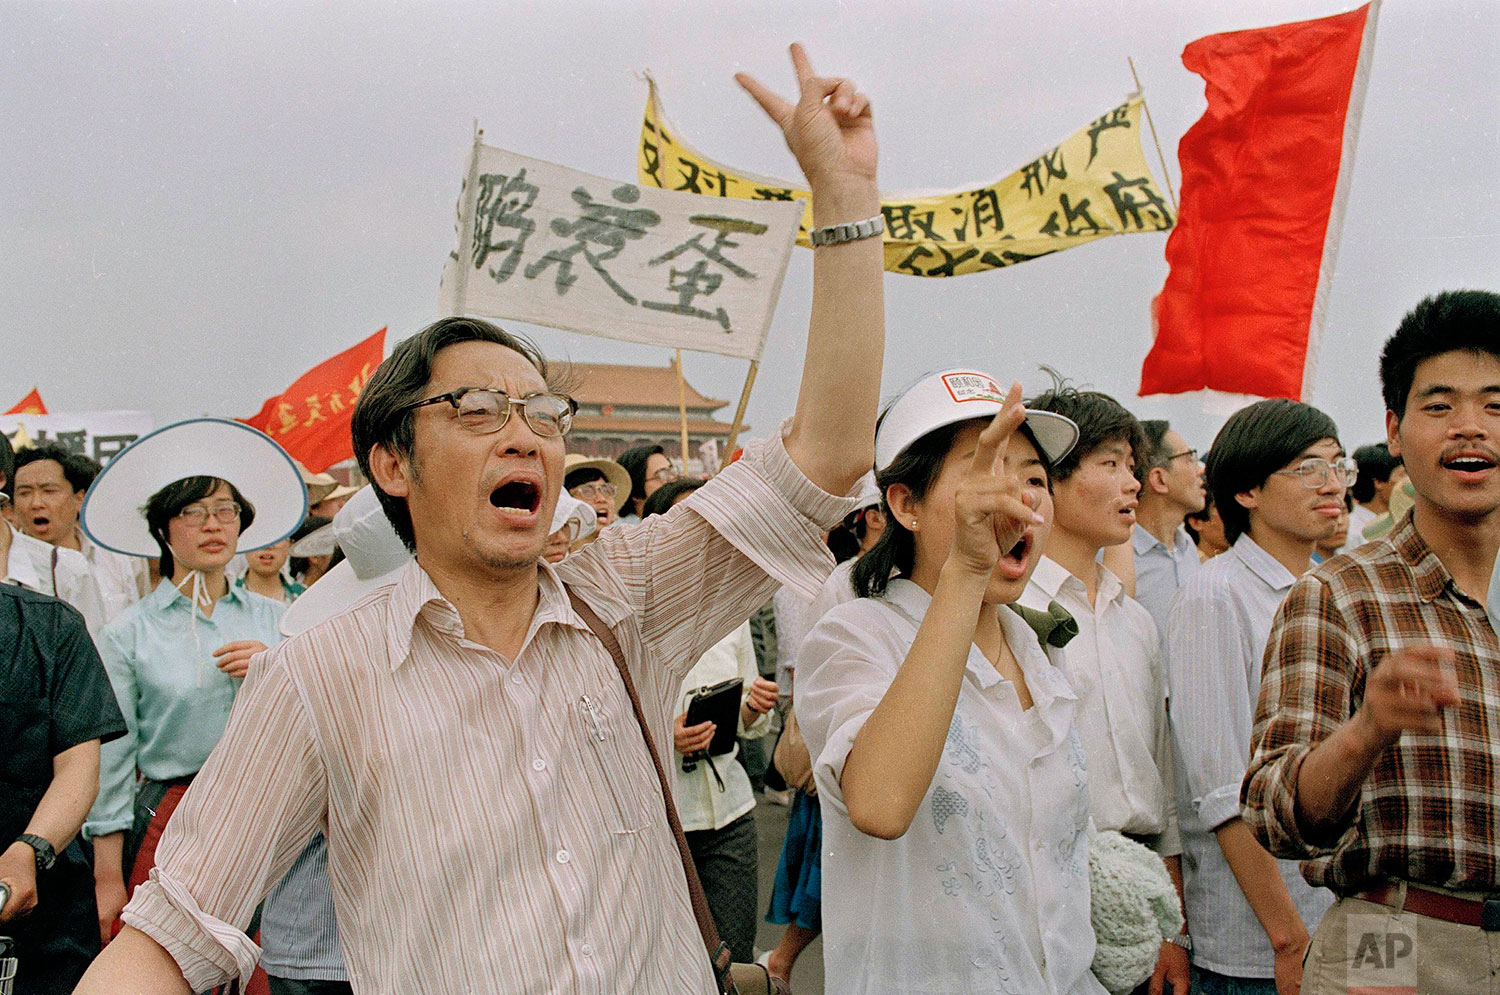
x: 1375, y: 758
x: 39, y: 566
x: 1278, y: 474
x: 461, y: 734
x: 1172, y: 488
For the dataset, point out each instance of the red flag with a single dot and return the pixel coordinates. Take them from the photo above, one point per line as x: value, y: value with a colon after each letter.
x: 31, y: 404
x: 1265, y: 174
x: 311, y: 419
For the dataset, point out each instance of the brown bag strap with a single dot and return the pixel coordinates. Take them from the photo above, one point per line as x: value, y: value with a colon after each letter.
x: 718, y: 951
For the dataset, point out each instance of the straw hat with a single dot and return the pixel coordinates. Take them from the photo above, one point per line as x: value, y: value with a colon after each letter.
x: 613, y: 472
x: 113, y: 514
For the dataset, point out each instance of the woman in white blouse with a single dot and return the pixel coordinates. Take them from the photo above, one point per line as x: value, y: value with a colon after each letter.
x: 954, y: 791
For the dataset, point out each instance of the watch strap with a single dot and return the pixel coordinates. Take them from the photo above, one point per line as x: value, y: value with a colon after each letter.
x: 851, y: 231
x: 45, y: 855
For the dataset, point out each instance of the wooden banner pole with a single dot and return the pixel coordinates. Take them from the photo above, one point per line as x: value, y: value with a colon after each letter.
x: 1166, y: 176
x: 739, y: 413
x: 682, y: 411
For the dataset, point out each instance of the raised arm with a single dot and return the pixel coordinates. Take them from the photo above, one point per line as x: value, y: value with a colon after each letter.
x: 830, y: 131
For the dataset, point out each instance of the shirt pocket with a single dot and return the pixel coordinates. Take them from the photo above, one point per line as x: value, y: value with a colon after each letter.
x: 612, y: 760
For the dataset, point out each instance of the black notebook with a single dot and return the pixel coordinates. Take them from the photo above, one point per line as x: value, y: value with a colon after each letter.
x: 720, y: 704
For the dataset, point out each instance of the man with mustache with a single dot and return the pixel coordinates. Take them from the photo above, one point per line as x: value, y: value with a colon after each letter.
x: 1375, y: 759
x: 1278, y: 473
x: 461, y: 735
x: 1114, y: 664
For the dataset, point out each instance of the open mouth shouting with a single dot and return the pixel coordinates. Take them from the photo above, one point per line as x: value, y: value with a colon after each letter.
x: 1013, y: 562
x: 518, y: 498
x: 40, y: 525
x: 1470, y: 465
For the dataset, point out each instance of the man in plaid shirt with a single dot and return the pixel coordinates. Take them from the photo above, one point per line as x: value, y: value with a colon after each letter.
x: 1375, y: 756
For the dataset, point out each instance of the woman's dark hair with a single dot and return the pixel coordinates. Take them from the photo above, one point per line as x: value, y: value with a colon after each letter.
x: 583, y: 475
x: 634, y: 462
x: 167, y: 503
x: 382, y: 416
x: 297, y: 565
x: 1376, y: 464
x: 660, y: 502
x: 1452, y: 321
x: 1254, y: 443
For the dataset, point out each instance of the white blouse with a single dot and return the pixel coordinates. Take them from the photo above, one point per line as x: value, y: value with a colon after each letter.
x: 988, y: 891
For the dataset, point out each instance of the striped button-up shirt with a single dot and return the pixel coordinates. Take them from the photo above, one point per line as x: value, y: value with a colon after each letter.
x: 1216, y: 639
x: 493, y: 824
x: 1429, y: 812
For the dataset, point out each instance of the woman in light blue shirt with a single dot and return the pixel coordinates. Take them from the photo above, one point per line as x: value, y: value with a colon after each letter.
x: 176, y: 657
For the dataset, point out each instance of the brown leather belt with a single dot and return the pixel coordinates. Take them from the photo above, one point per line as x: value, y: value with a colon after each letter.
x: 1484, y: 913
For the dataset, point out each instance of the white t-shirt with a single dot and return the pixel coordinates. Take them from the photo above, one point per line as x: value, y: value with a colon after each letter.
x: 988, y: 891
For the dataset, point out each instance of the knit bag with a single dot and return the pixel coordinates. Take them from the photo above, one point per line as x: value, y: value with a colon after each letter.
x: 1134, y: 909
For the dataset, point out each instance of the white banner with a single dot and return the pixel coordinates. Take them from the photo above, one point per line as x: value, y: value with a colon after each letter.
x: 98, y: 435
x: 549, y: 245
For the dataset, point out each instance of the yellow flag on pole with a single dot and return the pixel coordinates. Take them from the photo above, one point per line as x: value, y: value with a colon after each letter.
x: 1094, y: 183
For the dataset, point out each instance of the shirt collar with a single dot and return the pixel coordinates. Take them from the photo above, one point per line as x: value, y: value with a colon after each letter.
x: 415, y: 596
x: 167, y: 595
x: 1431, y: 576
x: 1050, y: 576
x: 1261, y: 563
x: 19, y: 568
x: 1142, y: 541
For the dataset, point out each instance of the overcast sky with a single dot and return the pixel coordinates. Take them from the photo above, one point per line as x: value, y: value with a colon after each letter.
x: 202, y: 199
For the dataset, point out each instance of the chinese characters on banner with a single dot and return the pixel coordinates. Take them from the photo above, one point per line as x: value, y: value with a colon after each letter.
x: 1093, y: 184
x: 99, y: 435
x: 546, y: 244
x: 311, y: 419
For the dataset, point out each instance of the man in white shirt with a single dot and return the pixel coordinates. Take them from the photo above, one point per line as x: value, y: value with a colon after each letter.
x: 1114, y: 663
x: 33, y: 564
x: 1171, y: 478
x: 1277, y: 473
x: 49, y: 489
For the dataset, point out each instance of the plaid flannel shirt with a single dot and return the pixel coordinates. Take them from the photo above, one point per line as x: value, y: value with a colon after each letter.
x: 1428, y: 811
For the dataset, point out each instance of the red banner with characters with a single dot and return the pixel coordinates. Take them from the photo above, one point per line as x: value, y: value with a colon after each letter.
x: 311, y: 418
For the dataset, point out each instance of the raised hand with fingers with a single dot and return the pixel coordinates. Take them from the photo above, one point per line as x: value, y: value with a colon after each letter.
x: 829, y: 129
x: 1409, y: 689
x: 991, y: 509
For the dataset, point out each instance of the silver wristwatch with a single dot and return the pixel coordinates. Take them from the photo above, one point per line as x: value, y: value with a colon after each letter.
x: 1183, y: 940
x: 852, y: 231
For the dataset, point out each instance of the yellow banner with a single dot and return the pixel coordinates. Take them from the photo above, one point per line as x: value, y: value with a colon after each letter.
x: 1095, y: 183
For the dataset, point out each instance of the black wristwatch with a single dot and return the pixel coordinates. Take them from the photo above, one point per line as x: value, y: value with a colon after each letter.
x: 45, y: 855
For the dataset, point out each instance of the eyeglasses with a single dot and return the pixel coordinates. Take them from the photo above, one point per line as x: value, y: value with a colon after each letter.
x: 483, y: 410
x: 598, y: 489
x: 196, y: 515
x: 1190, y: 453
x: 1315, y: 472
x: 664, y: 476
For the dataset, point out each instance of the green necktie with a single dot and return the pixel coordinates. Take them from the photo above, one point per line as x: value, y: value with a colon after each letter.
x: 1053, y: 627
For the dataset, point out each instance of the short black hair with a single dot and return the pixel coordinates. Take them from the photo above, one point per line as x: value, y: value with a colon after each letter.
x: 583, y: 475
x: 1452, y: 321
x: 78, y: 470
x: 1155, y: 454
x: 164, y: 505
x: 1254, y: 443
x: 634, y: 462
x: 1375, y: 464
x: 661, y: 500
x: 382, y: 416
x: 1100, y: 419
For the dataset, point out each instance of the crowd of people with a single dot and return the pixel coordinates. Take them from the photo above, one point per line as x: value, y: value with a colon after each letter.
x: 1060, y: 704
